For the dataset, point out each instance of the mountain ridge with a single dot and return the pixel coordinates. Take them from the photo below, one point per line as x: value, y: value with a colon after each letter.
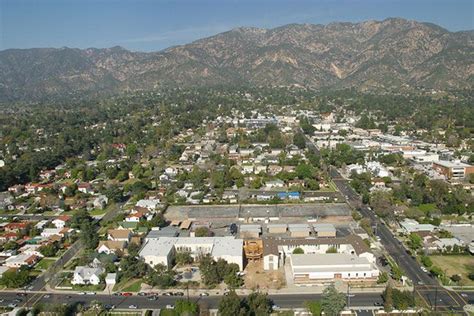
x: 366, y: 55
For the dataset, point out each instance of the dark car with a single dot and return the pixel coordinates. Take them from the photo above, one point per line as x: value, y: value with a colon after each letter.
x: 179, y: 294
x: 233, y: 228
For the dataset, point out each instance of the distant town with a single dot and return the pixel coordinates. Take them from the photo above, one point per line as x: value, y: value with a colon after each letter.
x: 294, y: 209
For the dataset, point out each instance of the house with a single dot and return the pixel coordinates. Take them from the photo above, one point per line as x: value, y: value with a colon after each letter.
x: 48, y: 232
x: 136, y: 216
x: 275, y: 184
x: 61, y: 221
x: 16, y: 189
x: 85, y: 275
x: 411, y: 226
x: 100, y: 202
x: 150, y: 204
x: 164, y: 249
x: 446, y: 244
x: 111, y: 246
x: 30, y: 249
x: 85, y: 188
x: 16, y: 227
x: 247, y: 169
x: 21, y: 260
x: 119, y: 234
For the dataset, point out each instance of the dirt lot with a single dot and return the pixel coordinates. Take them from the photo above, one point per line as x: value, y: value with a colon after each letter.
x: 256, y: 278
x: 462, y: 265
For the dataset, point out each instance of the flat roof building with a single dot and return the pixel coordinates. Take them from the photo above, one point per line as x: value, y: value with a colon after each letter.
x: 310, y: 268
x: 299, y: 230
x: 163, y: 250
x: 453, y: 169
x: 325, y: 230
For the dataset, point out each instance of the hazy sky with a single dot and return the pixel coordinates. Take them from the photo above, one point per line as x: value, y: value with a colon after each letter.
x: 145, y: 25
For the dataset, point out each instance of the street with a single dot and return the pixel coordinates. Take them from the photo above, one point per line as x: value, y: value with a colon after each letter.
x: 283, y: 300
x: 426, y: 286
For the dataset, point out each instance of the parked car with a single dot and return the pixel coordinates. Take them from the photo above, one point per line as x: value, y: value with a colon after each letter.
x: 424, y: 269
x: 178, y: 293
x: 90, y: 293
x: 204, y: 294
x: 46, y: 296
x: 127, y: 294
x: 142, y: 294
x: 133, y: 306
x: 168, y: 294
x: 152, y: 298
x: 169, y: 306
x: 12, y: 305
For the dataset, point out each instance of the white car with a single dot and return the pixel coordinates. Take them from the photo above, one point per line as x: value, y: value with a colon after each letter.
x: 133, y: 306
x: 169, y: 306
x: 424, y: 269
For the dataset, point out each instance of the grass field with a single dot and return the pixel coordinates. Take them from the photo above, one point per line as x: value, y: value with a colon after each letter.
x: 462, y: 265
x: 97, y: 212
x: 134, y: 287
x: 128, y: 285
x: 44, y: 264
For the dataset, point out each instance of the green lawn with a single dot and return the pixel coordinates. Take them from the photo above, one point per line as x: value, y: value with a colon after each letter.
x: 168, y: 312
x: 133, y: 287
x: 94, y: 288
x: 44, y: 264
x: 97, y: 212
x: 462, y: 265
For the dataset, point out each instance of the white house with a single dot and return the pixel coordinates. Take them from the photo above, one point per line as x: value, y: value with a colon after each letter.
x: 111, y: 246
x: 48, y: 232
x: 21, y: 260
x: 100, y: 202
x: 85, y: 275
x: 61, y: 221
x: 150, y: 204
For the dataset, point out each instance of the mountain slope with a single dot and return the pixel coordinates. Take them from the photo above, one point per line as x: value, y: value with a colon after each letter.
x: 366, y: 55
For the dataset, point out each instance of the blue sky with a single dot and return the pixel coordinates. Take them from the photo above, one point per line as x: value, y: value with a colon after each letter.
x: 144, y: 25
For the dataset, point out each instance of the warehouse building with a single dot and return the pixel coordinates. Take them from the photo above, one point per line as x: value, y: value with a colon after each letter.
x: 313, y: 268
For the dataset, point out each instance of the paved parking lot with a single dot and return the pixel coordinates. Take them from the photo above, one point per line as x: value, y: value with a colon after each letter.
x: 216, y: 212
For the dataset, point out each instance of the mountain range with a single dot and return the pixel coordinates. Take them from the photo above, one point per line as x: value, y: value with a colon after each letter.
x: 384, y: 54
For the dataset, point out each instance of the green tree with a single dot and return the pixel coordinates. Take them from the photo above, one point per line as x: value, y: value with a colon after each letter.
x: 383, y: 277
x: 299, y: 140
x: 298, y: 251
x: 314, y: 307
x: 230, y: 305
x: 388, y: 299
x: 15, y: 278
x: 304, y: 171
x: 259, y: 304
x: 332, y: 301
x: 202, y: 232
x: 186, y: 307
x: 183, y: 258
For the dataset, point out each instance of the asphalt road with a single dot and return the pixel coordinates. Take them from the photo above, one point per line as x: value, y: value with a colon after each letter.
x: 426, y: 286
x: 142, y: 302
